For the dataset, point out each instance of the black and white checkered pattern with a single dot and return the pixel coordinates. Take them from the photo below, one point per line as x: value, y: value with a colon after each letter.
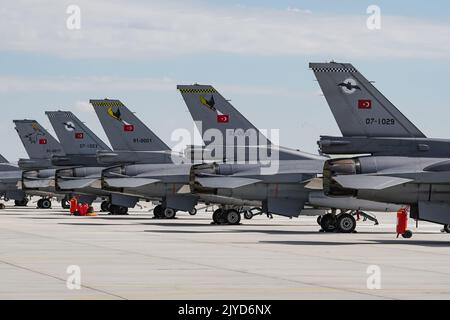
x: 334, y: 69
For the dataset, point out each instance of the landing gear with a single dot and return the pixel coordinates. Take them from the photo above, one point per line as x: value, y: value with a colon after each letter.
x: 407, y: 235
x: 447, y: 228
x: 319, y: 219
x: 65, y: 204
x: 160, y: 212
x: 169, y: 213
x: 193, y: 212
x: 44, y: 203
x: 248, y: 215
x: 230, y: 216
x: 218, y: 216
x: 21, y: 203
x: 104, y: 206
x: 328, y: 223
x: 118, y: 210
x: 346, y: 223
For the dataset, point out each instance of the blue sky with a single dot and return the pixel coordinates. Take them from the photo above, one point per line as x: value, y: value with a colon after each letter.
x: 255, y: 53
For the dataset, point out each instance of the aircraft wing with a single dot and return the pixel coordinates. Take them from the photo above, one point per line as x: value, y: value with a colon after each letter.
x: 129, y: 182
x: 370, y: 182
x: 76, y: 184
x: 226, y: 182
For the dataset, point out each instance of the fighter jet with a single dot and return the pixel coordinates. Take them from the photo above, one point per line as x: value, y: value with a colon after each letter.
x: 152, y: 170
x: 81, y: 145
x: 10, y: 177
x: 283, y: 191
x: 403, y: 166
x: 37, y: 177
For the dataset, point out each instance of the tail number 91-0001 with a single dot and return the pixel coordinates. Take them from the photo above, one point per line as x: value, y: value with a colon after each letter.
x: 380, y: 121
x: 142, y: 140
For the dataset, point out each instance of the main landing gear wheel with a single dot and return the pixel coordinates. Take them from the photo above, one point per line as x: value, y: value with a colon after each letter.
x: 45, y: 204
x: 158, y: 212
x: 328, y: 223
x: 218, y: 216
x: 104, y: 206
x: 319, y: 219
x: 346, y: 223
x: 21, y: 203
x: 447, y: 228
x: 408, y: 234
x: 248, y: 215
x: 169, y: 213
x: 232, y: 217
x: 65, y: 204
x: 193, y: 212
x: 118, y: 210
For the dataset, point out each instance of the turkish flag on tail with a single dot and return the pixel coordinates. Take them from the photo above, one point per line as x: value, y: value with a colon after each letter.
x: 364, y: 104
x: 42, y: 141
x: 128, y: 128
x: 223, y: 118
x: 79, y: 135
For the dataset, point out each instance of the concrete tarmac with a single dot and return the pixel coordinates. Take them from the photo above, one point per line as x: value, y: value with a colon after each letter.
x: 136, y: 257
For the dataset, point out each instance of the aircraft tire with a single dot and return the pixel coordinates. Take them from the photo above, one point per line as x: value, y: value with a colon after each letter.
x: 248, y: 215
x: 447, y: 228
x: 65, y: 204
x: 328, y: 223
x: 218, y: 216
x: 193, y: 212
x: 104, y: 206
x: 407, y: 235
x: 319, y: 219
x: 21, y: 203
x: 169, y: 213
x: 46, y: 204
x: 232, y: 217
x: 39, y: 203
x: 158, y: 212
x: 346, y: 223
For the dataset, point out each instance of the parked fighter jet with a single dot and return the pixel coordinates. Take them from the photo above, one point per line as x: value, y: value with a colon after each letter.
x: 81, y: 145
x: 10, y: 176
x: 151, y: 172
x: 404, y: 166
x: 37, y: 177
x: 282, y: 191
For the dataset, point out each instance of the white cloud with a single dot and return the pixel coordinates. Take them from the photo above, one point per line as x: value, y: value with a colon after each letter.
x: 148, y: 30
x: 96, y: 84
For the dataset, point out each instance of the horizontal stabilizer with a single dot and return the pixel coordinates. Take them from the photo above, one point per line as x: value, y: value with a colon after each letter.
x: 315, y: 184
x: 226, y: 182
x: 76, y: 184
x: 369, y: 182
x: 129, y: 182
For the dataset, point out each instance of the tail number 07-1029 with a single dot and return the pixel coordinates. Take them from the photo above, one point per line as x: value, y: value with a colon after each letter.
x: 380, y: 121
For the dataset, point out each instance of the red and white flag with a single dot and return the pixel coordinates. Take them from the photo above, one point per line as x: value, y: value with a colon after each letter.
x: 79, y: 135
x: 223, y: 118
x: 364, y: 104
x: 42, y: 141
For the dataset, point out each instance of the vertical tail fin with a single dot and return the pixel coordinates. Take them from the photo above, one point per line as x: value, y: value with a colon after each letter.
x: 241, y: 139
x: 38, y: 143
x: 208, y: 107
x: 359, y: 108
x: 76, y: 138
x: 124, y: 129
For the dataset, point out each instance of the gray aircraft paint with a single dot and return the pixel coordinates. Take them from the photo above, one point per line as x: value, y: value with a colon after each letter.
x: 124, y: 130
x: 359, y: 108
x: 38, y: 143
x: 75, y: 136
